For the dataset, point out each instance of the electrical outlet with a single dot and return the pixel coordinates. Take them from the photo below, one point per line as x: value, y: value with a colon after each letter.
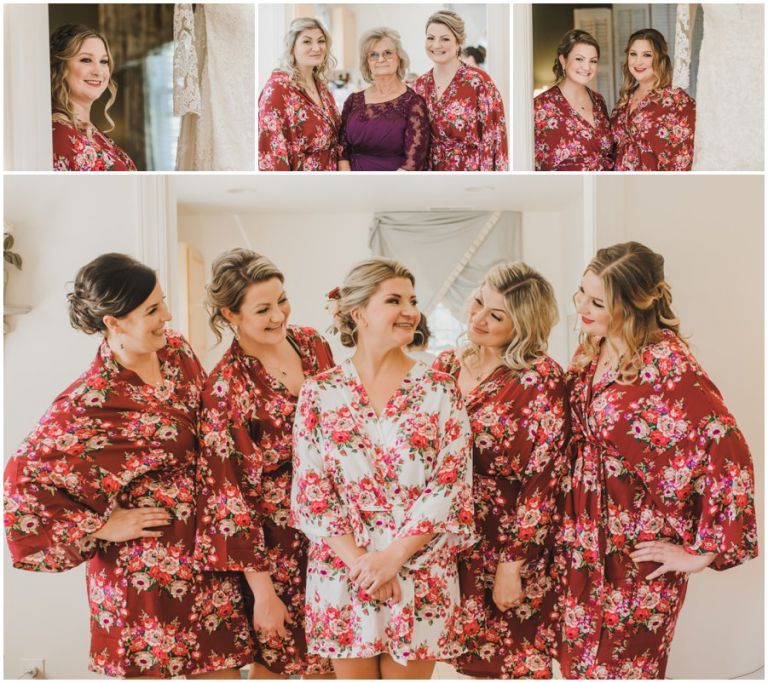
x: 36, y: 666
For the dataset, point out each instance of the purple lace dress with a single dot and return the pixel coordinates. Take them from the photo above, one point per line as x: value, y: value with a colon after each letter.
x: 387, y: 136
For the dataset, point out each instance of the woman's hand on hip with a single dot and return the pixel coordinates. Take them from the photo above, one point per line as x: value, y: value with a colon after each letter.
x: 126, y: 524
x: 671, y: 557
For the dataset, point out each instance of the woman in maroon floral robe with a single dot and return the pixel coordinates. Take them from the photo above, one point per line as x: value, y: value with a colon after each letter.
x: 515, y: 397
x: 572, y: 131
x: 81, y: 70
x: 466, y: 112
x: 298, y: 118
x: 653, y: 124
x: 245, y: 471
x: 107, y: 478
x: 662, y: 482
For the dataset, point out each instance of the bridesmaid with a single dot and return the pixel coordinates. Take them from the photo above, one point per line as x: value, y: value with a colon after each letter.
x: 662, y: 484
x: 466, y: 112
x: 245, y: 472
x: 653, y: 124
x: 572, y: 130
x: 81, y: 70
x: 108, y: 478
x: 515, y: 397
x: 298, y: 118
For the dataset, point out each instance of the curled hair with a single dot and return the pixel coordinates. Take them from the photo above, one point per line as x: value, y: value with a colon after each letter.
x: 570, y: 40
x: 374, y: 36
x: 638, y: 301
x: 454, y: 23
x: 661, y: 63
x: 530, y: 303
x: 231, y: 275
x: 359, y: 286
x: 111, y: 284
x: 288, y: 64
x: 66, y: 42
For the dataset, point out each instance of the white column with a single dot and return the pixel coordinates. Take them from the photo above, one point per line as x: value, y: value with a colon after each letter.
x: 27, y: 108
x: 522, y: 90
x: 497, y: 30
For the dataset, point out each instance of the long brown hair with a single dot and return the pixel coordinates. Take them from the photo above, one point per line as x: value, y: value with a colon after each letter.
x: 65, y: 43
x: 637, y: 298
x: 662, y: 64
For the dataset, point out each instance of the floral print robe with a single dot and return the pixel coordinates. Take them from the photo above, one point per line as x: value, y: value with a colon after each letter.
x: 245, y: 486
x: 73, y: 150
x: 657, y: 135
x: 469, y: 130
x: 658, y: 459
x: 405, y: 473
x: 295, y: 134
x: 565, y: 140
x: 519, y: 429
x: 108, y: 440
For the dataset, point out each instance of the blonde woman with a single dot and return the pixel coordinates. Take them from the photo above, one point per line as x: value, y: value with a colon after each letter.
x: 653, y: 124
x: 298, y: 118
x: 246, y: 424
x: 466, y: 112
x: 382, y: 488
x: 515, y: 397
x: 572, y: 130
x: 662, y: 483
x: 81, y: 70
x: 384, y: 127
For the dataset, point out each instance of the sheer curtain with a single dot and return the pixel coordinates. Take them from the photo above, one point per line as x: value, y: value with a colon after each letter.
x: 447, y: 251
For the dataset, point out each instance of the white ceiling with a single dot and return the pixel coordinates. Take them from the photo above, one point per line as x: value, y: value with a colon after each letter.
x: 294, y: 193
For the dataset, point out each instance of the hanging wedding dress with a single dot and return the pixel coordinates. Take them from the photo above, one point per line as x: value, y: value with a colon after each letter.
x: 214, y: 87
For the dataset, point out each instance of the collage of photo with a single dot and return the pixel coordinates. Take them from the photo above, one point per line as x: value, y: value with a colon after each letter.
x: 387, y: 341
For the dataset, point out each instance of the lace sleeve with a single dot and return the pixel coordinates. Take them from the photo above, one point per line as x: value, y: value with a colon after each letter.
x: 416, y: 141
x: 186, y: 77
x: 345, y: 151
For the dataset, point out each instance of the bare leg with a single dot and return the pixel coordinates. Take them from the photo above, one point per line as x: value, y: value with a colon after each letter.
x: 367, y: 667
x: 260, y: 671
x: 220, y: 673
x: 416, y: 669
x: 319, y: 677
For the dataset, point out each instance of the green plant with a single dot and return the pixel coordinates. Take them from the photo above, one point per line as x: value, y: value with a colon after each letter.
x: 9, y: 256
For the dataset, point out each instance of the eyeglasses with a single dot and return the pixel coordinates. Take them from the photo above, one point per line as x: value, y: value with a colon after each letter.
x: 387, y: 55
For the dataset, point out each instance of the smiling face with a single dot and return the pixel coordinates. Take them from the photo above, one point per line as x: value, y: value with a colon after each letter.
x: 382, y: 58
x: 310, y: 48
x: 590, y: 302
x: 390, y: 317
x: 640, y: 62
x: 580, y: 65
x: 488, y: 322
x: 143, y: 330
x: 441, y: 45
x: 88, y: 72
x: 263, y: 315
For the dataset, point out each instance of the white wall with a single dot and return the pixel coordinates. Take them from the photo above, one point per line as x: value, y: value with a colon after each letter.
x: 60, y: 223
x: 710, y: 231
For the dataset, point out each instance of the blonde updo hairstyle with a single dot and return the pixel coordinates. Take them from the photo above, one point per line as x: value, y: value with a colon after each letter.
x: 324, y: 70
x: 453, y: 22
x: 638, y: 300
x: 360, y: 284
x: 369, y: 39
x: 529, y: 300
x: 65, y: 43
x: 661, y: 63
x: 570, y: 40
x: 231, y: 275
x: 112, y: 284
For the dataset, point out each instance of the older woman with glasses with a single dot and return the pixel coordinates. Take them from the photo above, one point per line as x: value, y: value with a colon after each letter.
x: 386, y: 126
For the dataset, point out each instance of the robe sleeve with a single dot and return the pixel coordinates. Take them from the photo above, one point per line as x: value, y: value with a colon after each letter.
x: 316, y: 507
x: 275, y: 135
x: 493, y: 133
x: 416, y: 139
x: 230, y: 534
x: 676, y: 133
x: 52, y: 506
x: 64, y: 148
x: 541, y: 448
x: 445, y: 504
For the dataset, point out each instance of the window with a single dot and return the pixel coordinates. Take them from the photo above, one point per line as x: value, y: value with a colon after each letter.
x: 445, y: 329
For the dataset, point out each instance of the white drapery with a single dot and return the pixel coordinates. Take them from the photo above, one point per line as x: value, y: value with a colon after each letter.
x: 448, y: 252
